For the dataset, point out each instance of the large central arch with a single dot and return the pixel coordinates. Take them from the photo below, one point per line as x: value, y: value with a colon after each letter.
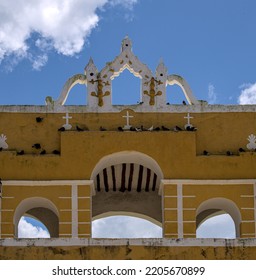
x: 127, y: 182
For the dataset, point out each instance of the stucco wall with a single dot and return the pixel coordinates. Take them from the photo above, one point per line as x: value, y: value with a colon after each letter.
x: 140, y: 249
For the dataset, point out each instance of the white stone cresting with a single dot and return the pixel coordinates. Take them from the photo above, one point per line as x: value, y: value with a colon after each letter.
x: 99, y: 83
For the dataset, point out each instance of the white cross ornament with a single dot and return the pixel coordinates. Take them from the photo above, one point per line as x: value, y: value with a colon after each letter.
x: 188, y: 123
x: 127, y: 116
x: 67, y: 125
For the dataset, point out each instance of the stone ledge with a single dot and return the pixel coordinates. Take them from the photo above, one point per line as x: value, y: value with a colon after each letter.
x: 147, y: 242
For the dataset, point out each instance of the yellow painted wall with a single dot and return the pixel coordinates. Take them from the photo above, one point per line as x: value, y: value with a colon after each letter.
x: 129, y: 252
x: 178, y: 154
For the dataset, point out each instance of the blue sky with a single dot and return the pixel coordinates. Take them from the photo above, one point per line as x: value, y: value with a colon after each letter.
x: 210, y: 43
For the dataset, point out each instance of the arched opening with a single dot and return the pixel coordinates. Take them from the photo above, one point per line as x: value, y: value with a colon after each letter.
x: 127, y: 182
x: 77, y: 95
x: 175, y: 95
x: 29, y: 227
x: 220, y: 226
x: 221, y: 216
x: 126, y: 89
x: 125, y: 225
x: 40, y: 209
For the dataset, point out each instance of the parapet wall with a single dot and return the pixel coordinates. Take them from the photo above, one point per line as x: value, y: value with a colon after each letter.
x: 128, y: 249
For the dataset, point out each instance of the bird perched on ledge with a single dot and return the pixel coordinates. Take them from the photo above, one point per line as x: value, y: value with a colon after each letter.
x: 79, y: 128
x: 164, y: 128
x: 39, y: 119
x: 20, y: 153
x: 62, y: 129
x: 36, y: 146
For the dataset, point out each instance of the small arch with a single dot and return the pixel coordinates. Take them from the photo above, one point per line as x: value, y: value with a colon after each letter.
x: 126, y: 88
x: 42, y: 209
x: 77, y: 96
x: 216, y: 206
x: 175, y: 95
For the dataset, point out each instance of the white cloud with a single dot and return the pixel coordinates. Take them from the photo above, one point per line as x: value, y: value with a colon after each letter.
x: 27, y: 230
x: 124, y: 227
x: 248, y: 94
x: 212, y: 95
x: 39, y: 61
x: 61, y: 25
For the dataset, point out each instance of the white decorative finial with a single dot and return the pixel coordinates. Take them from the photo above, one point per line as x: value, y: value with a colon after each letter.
x: 67, y: 125
x: 252, y: 142
x: 3, y: 143
x: 126, y: 44
x: 90, y: 69
x: 127, y: 116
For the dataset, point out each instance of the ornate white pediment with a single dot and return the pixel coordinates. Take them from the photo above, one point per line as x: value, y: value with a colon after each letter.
x: 99, y: 83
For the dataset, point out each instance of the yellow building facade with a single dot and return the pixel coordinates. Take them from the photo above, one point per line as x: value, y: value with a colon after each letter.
x: 175, y: 165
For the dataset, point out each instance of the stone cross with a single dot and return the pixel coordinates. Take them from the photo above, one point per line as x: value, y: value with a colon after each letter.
x: 127, y: 116
x: 67, y: 125
x: 188, y: 118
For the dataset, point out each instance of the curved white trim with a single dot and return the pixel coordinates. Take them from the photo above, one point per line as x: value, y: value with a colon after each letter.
x: 178, y: 80
x: 130, y: 214
x: 224, y: 204
x: 127, y: 157
x: 70, y: 83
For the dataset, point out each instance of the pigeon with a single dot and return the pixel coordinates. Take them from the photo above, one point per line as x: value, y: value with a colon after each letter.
x: 56, y: 152
x: 168, y: 103
x: 184, y: 102
x: 241, y: 150
x: 228, y: 153
x: 165, y: 128
x: 177, y: 128
x: 151, y: 128
x: 37, y: 146
x: 20, y: 153
x: 205, y: 153
x: 61, y: 129
x: 79, y: 128
x: 138, y: 129
x: 39, y: 119
x: 157, y: 128
x: 140, y: 103
x: 1, y: 149
x: 132, y: 128
x: 102, y: 128
x: 190, y: 128
x: 43, y: 152
x: 120, y: 128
